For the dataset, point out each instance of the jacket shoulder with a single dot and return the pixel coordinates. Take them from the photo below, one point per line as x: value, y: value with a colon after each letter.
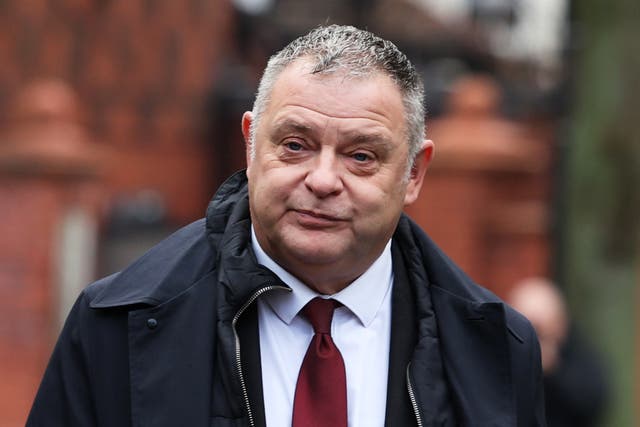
x: 94, y: 289
x: 444, y: 275
x: 161, y: 273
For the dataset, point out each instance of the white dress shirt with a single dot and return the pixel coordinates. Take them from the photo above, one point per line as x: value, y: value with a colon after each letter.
x: 361, y: 330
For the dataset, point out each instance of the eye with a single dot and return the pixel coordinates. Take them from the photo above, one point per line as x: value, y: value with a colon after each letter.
x: 361, y: 157
x: 293, y: 146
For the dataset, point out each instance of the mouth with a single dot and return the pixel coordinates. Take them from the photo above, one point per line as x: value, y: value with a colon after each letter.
x: 321, y: 215
x: 316, y: 219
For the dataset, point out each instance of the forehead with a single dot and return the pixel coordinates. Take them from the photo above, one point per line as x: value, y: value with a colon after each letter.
x: 337, y: 94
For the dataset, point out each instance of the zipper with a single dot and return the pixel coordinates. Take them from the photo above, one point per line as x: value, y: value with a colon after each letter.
x: 412, y: 397
x: 237, y: 338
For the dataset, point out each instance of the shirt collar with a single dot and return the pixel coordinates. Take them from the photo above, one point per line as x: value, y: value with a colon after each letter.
x: 363, y: 297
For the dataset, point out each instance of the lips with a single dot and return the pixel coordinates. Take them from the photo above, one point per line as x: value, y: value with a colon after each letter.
x: 315, y: 219
x: 320, y: 215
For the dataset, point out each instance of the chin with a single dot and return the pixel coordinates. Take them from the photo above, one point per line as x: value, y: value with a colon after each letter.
x: 313, y: 252
x: 316, y: 256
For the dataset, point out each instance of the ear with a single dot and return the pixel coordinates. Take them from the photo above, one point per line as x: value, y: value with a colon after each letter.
x: 418, y: 171
x: 247, y: 119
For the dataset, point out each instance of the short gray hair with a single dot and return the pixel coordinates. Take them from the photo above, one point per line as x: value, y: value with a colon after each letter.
x: 357, y: 53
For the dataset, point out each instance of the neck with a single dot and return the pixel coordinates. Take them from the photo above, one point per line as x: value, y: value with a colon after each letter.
x: 330, y: 283
x: 323, y: 277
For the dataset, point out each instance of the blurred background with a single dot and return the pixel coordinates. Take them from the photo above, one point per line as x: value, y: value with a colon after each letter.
x: 119, y: 119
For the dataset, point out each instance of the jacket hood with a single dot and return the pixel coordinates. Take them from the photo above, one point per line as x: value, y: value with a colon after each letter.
x: 223, y: 204
x: 229, y: 229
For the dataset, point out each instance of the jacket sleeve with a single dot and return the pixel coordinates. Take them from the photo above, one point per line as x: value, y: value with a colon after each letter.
x: 65, y: 396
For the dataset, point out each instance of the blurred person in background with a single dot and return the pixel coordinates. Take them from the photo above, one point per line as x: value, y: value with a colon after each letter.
x: 575, y: 381
x: 305, y: 297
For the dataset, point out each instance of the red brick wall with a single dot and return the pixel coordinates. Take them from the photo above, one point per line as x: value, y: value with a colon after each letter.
x: 486, y: 199
x: 26, y: 300
x: 142, y: 69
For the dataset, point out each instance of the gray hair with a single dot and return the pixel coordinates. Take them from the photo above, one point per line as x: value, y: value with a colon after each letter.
x: 356, y: 53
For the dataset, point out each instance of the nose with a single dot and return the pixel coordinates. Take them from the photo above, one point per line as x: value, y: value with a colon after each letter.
x: 324, y: 178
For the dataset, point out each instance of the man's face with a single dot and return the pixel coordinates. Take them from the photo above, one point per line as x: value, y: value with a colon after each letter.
x: 327, y: 184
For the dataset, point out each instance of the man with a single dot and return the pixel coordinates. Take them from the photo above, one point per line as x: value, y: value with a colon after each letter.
x: 213, y: 326
x: 574, y: 377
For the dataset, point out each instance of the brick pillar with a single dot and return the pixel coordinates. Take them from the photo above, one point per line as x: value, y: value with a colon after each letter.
x: 485, y: 197
x: 49, y: 197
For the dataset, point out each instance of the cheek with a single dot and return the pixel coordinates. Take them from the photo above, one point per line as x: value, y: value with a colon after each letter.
x: 378, y: 211
x: 269, y: 190
x: 378, y: 196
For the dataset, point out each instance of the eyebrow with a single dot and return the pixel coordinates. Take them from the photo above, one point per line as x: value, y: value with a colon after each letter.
x: 364, y: 138
x: 289, y: 125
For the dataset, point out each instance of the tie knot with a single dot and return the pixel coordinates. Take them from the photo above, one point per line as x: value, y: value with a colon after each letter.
x: 319, y: 312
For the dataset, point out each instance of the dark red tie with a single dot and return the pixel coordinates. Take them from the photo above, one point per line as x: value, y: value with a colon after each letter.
x: 321, y: 391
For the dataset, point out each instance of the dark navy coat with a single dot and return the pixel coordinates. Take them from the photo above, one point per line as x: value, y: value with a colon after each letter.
x: 162, y: 343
